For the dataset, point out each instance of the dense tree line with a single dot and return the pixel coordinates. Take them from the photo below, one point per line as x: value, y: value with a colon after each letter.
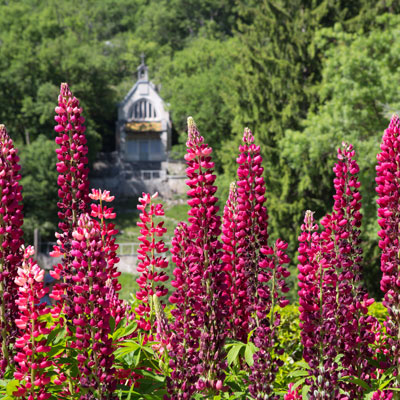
x: 302, y: 74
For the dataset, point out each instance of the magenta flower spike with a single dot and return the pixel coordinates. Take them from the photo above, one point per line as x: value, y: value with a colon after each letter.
x: 11, y: 219
x: 354, y: 325
x: 388, y: 174
x: 89, y: 309
x: 117, y: 307
x: 185, y: 328
x: 152, y: 263
x: 293, y: 394
x: 233, y: 235
x: 72, y: 165
x: 382, y: 395
x: 201, y: 295
x: 318, y: 309
x: 257, y: 271
x: 32, y: 363
x: 333, y: 304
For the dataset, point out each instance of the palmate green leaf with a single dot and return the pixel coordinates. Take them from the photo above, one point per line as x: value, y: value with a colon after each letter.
x: 233, y: 353
x: 126, y: 348
x: 304, y: 391
x: 302, y: 364
x: 112, y: 324
x: 3, y: 385
x: 149, y: 386
x: 55, y: 351
x: 357, y: 381
x: 250, y: 350
x: 298, y: 373
x: 298, y: 383
x: 124, y: 331
x: 155, y: 396
x: 12, y: 387
x: 55, y: 336
x: 152, y: 375
x: 238, y: 395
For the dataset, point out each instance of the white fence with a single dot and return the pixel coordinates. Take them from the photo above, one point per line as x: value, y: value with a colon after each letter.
x: 124, y: 249
x: 127, y: 252
x: 149, y: 174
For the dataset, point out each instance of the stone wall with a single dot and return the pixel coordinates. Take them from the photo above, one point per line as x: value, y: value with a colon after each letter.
x: 127, y: 263
x: 125, y: 179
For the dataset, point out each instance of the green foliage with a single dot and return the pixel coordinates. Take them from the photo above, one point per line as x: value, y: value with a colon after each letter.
x: 39, y: 181
x: 194, y: 84
x: 276, y: 90
x: 358, y: 94
x: 301, y: 74
x: 379, y: 311
x: 289, y: 339
x: 129, y: 286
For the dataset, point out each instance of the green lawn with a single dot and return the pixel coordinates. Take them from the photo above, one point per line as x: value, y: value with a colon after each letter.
x: 129, y: 285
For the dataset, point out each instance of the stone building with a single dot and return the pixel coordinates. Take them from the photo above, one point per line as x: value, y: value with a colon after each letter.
x: 143, y: 142
x: 143, y: 131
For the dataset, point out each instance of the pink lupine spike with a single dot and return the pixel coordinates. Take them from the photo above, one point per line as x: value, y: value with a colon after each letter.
x: 388, y: 189
x: 352, y: 324
x: 293, y: 394
x: 11, y: 219
x: 317, y: 306
x: 257, y: 271
x: 72, y: 163
x: 333, y: 304
x: 235, y: 268
x: 108, y: 236
x: 32, y: 361
x: 90, y: 310
x: 199, y: 329
x: 151, y: 262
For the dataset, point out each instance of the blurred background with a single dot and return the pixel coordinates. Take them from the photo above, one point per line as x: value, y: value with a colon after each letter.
x: 302, y: 75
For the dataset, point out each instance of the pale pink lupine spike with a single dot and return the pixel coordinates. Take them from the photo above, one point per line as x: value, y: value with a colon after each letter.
x: 193, y: 133
x: 98, y: 194
x: 31, y: 343
x: 248, y: 137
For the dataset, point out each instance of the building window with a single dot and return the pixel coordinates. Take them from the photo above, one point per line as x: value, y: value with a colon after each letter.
x: 143, y: 110
x: 144, y: 150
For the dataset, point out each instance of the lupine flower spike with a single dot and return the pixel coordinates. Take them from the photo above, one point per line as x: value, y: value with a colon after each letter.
x: 261, y: 266
x: 11, y: 219
x: 108, y: 236
x: 73, y: 193
x: 184, y: 331
x: 388, y: 189
x: 32, y: 361
x: 72, y: 166
x: 90, y: 310
x: 233, y: 238
x: 318, y: 307
x: 201, y: 313
x: 152, y: 263
x: 293, y: 394
x: 333, y: 305
x: 354, y: 326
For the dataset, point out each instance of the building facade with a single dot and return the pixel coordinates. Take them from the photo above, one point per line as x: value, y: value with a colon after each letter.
x: 143, y: 130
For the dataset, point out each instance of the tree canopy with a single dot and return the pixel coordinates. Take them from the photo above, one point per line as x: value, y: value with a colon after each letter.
x: 303, y: 75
